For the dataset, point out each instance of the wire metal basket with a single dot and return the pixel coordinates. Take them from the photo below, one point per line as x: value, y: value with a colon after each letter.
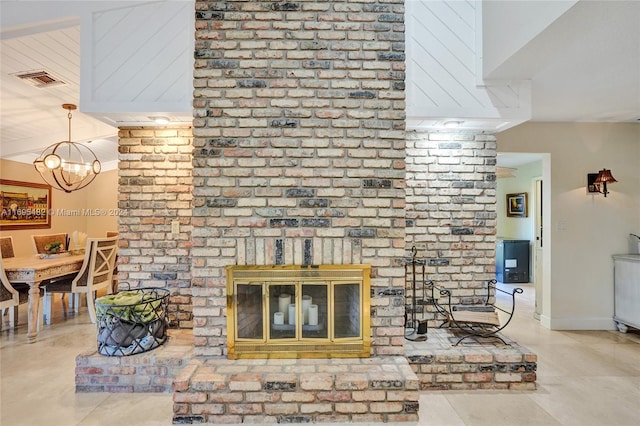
x: 132, y: 321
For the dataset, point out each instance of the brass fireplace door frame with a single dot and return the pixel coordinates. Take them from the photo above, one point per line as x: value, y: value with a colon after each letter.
x: 298, y: 276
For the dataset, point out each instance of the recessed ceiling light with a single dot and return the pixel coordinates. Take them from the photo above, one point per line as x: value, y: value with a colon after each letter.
x: 160, y: 120
x: 452, y: 124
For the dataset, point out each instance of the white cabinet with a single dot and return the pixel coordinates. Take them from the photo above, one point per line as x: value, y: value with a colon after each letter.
x: 626, y: 283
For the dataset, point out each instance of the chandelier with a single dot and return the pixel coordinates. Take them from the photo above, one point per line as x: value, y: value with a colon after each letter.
x: 67, y: 165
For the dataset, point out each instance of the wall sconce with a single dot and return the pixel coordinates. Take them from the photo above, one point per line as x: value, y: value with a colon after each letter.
x: 597, y: 182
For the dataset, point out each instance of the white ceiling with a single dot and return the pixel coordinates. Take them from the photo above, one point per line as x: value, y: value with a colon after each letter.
x: 596, y: 79
x: 585, y: 66
x: 31, y: 117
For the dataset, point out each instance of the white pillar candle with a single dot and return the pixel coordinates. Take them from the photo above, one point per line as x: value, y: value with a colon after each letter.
x: 292, y: 314
x: 306, y: 302
x: 283, y: 305
x: 278, y: 318
x: 313, y: 314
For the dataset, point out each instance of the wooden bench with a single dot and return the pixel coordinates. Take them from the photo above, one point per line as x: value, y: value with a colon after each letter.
x: 480, y: 320
x: 489, y: 318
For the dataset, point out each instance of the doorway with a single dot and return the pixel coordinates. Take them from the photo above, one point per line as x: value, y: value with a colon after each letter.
x: 538, y: 244
x: 530, y: 173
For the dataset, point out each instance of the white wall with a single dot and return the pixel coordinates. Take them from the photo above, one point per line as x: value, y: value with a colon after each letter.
x: 509, y: 25
x: 586, y: 230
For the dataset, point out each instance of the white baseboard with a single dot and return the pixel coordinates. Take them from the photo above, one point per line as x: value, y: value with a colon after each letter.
x: 577, y: 323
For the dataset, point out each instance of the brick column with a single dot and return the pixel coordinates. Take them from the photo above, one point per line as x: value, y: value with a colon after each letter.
x: 451, y: 208
x: 154, y: 188
x: 299, y: 148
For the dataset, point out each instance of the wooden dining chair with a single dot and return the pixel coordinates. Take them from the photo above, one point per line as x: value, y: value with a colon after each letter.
x: 11, y: 297
x: 96, y: 273
x: 6, y: 247
x: 41, y: 241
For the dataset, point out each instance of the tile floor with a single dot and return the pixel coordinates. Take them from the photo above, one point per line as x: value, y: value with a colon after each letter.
x: 584, y: 378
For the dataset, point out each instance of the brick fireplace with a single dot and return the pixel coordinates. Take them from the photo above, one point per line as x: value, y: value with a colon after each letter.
x: 298, y: 149
x: 300, y: 158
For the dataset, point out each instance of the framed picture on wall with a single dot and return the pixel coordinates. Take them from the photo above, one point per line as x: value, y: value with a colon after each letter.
x: 25, y: 205
x: 517, y: 205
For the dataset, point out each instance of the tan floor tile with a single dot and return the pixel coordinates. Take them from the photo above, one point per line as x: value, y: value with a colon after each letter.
x: 499, y: 409
x: 435, y: 409
x: 593, y: 401
x: 589, y: 378
x: 132, y: 409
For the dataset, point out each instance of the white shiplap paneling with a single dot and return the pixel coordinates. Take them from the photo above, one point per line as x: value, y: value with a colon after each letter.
x: 32, y: 117
x: 144, y: 67
x: 441, y: 67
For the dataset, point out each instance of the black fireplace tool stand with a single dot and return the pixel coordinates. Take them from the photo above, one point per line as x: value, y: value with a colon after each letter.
x: 415, y: 329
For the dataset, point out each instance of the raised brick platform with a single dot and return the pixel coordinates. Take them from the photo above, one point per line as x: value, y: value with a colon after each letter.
x: 489, y: 364
x: 381, y: 389
x: 152, y: 371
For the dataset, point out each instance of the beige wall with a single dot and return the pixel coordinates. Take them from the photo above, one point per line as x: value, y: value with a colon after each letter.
x: 585, y: 230
x: 102, y: 198
x: 517, y: 228
x: 100, y: 194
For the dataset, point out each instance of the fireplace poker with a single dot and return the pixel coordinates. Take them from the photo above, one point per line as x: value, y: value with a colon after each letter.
x: 414, y: 332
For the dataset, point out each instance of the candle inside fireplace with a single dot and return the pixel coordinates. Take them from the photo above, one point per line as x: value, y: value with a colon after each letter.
x: 313, y: 314
x: 306, y: 302
x: 283, y: 305
x: 292, y: 314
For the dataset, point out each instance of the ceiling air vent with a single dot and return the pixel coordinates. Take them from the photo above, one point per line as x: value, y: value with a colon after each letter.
x: 39, y: 78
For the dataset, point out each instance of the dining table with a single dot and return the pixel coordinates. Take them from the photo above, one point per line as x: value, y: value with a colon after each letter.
x: 35, y: 269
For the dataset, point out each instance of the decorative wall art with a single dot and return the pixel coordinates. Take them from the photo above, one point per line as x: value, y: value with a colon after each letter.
x: 25, y: 205
x: 517, y: 205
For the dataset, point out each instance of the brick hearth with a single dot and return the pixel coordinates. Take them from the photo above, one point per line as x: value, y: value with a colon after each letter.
x: 471, y: 365
x: 437, y: 364
x: 218, y: 390
x: 152, y: 371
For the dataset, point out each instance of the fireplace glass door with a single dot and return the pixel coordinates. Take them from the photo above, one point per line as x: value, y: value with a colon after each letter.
x: 300, y: 312
x: 314, y: 311
x: 283, y: 311
x: 347, y: 310
x: 250, y: 317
